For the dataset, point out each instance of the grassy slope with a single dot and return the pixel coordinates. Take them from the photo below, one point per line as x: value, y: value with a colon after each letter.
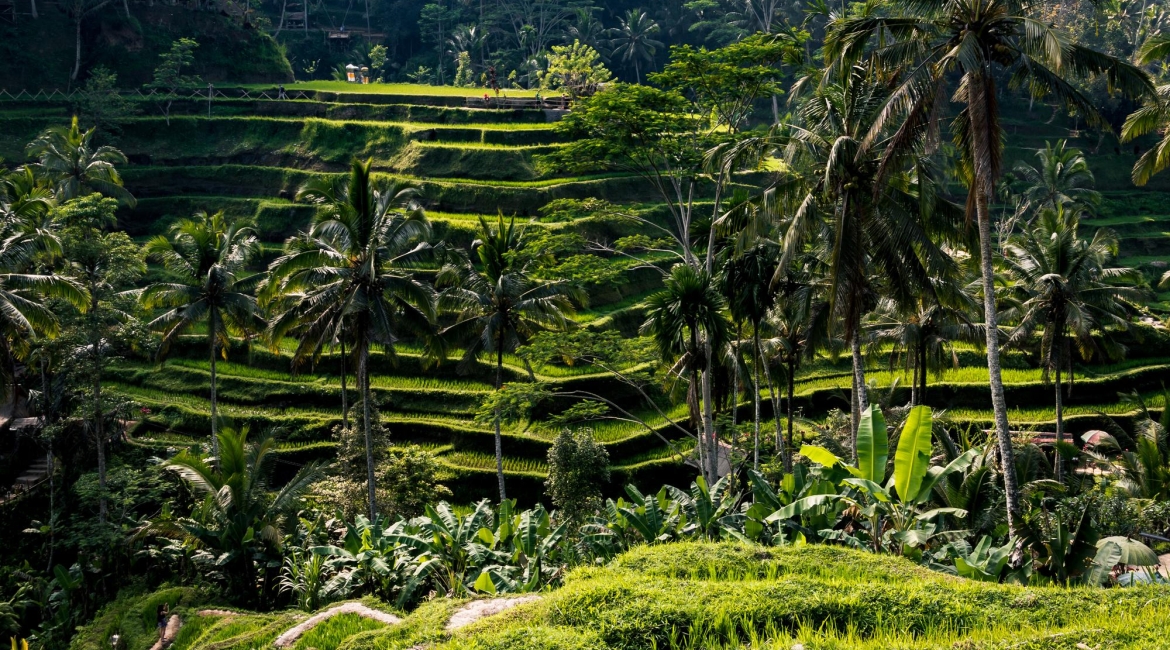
x: 712, y: 596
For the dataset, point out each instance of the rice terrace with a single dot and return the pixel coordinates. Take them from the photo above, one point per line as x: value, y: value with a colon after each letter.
x: 584, y: 324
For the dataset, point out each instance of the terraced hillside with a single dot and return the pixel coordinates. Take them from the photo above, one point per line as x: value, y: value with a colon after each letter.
x: 250, y: 156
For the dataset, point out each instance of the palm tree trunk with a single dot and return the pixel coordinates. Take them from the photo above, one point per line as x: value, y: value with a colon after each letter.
x: 791, y: 411
x: 914, y: 380
x: 976, y: 97
x: 77, y: 48
x: 364, y: 387
x: 756, y: 395
x: 859, y: 401
x: 784, y: 452
x: 214, y: 414
x: 922, y: 365
x: 33, y: 4
x: 499, y: 440
x: 99, y: 428
x: 735, y: 390
x: 1058, y: 462
x: 344, y: 392
x: 708, y: 419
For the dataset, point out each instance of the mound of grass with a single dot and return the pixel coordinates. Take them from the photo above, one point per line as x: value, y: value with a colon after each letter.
x: 694, y: 595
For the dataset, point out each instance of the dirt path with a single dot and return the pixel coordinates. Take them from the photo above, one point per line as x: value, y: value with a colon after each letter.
x: 292, y: 634
x: 479, y: 609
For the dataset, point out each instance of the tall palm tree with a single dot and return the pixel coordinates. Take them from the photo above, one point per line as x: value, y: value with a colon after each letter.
x: 206, y: 258
x: 871, y: 229
x: 1068, y: 291
x: 69, y: 158
x: 685, y: 319
x: 499, y: 305
x: 240, y: 521
x: 795, y: 329
x: 1062, y: 178
x: 350, y: 277
x: 633, y: 41
x: 957, y: 50
x: 747, y: 285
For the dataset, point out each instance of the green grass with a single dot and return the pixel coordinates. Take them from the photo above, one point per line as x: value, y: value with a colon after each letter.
x: 480, y: 461
x: 698, y: 596
x: 330, y: 634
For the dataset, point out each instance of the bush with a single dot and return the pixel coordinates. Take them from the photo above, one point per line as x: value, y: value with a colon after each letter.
x: 578, y: 467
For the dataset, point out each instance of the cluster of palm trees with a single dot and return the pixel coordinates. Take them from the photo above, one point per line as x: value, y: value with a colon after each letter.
x: 861, y: 235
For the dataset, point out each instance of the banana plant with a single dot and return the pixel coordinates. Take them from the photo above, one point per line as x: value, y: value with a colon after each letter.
x: 443, y: 543
x: 370, y: 560
x: 985, y: 562
x: 710, y: 513
x: 891, y: 507
x: 521, y: 554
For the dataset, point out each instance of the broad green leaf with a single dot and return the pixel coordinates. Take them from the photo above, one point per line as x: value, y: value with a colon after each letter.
x: 873, y: 445
x: 869, y: 487
x: 799, y: 506
x: 913, y: 456
x: 821, y: 456
x: 484, y: 585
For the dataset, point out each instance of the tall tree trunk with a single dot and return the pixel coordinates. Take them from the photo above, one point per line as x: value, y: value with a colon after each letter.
x: 214, y: 412
x: 98, y: 415
x: 859, y: 401
x: 77, y: 49
x: 785, y: 452
x: 1058, y: 462
x: 344, y: 392
x: 499, y: 438
x: 735, y: 389
x: 126, y: 7
x: 977, y: 107
x: 791, y: 409
x: 757, y: 359
x: 33, y: 5
x: 924, y: 369
x: 364, y: 387
x: 708, y: 417
x: 775, y: 110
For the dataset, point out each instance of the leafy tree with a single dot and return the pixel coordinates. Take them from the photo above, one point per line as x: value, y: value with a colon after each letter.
x: 577, y: 469
x: 239, y: 524
x: 1067, y: 289
x: 937, y: 39
x: 351, y: 276
x: 412, y: 478
x: 68, y: 158
x: 500, y: 306
x: 633, y: 40
x: 576, y: 68
x: 99, y: 101
x: 377, y: 60
x: 168, y: 76
x: 206, y: 257
x: 105, y: 262
x: 685, y: 320
x: 727, y: 81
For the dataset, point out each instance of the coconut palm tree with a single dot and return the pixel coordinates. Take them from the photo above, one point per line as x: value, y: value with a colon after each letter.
x: 206, y: 257
x: 685, y: 319
x: 499, y: 306
x: 956, y: 51
x: 1068, y: 290
x: 350, y: 277
x: 240, y: 521
x: 747, y: 285
x: 70, y: 160
x: 24, y: 198
x: 869, y: 228
x: 1062, y: 178
x: 633, y: 41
